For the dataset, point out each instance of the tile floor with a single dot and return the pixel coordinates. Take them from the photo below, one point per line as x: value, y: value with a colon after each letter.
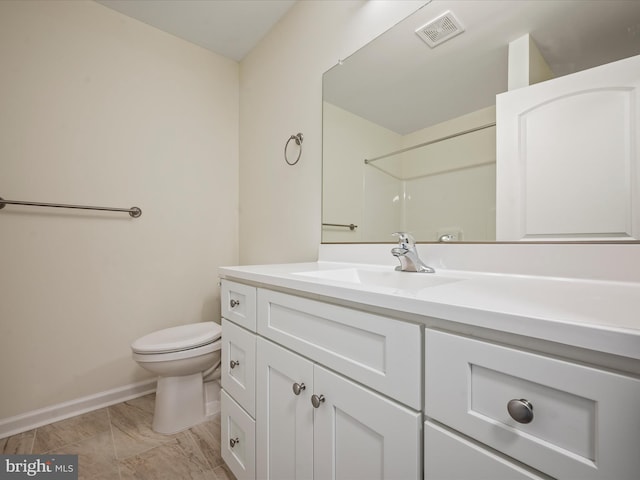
x: 117, y: 443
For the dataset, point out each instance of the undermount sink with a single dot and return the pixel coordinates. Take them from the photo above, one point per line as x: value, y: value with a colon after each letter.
x: 381, y: 278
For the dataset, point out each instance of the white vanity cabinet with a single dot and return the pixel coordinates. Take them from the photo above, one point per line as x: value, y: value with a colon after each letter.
x: 360, y: 434
x: 238, y: 304
x: 314, y: 423
x: 322, y: 390
x: 561, y: 418
x: 377, y: 351
x: 450, y: 456
x: 337, y: 391
x: 284, y: 434
x: 238, y: 397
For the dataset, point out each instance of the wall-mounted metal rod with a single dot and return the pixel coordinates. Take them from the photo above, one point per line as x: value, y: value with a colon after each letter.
x: 437, y: 140
x: 350, y: 226
x: 135, y: 212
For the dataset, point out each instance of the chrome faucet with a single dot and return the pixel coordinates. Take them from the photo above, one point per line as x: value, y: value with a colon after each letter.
x: 407, y: 254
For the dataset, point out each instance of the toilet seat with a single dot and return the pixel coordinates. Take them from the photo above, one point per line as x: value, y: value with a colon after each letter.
x: 179, y: 355
x: 179, y: 339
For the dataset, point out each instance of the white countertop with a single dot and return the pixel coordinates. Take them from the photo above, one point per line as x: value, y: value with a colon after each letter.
x: 598, y: 315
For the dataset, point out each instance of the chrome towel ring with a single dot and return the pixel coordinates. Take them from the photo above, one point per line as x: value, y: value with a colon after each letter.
x: 298, y: 139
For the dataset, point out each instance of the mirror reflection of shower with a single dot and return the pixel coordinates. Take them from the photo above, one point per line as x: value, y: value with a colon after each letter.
x: 438, y: 183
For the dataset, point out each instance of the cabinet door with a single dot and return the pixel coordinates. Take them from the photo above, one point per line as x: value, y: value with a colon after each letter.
x: 448, y: 456
x: 359, y: 434
x: 284, y: 418
x: 568, y: 158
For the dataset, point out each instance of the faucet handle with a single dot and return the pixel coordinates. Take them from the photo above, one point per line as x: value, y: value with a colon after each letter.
x: 405, y: 239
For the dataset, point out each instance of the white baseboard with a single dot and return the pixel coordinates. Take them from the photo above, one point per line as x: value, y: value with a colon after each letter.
x: 54, y: 413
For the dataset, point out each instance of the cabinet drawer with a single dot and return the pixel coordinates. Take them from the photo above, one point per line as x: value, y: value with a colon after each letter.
x: 238, y: 375
x: 377, y: 351
x: 238, y: 303
x: 448, y: 456
x: 585, y: 423
x: 238, y: 439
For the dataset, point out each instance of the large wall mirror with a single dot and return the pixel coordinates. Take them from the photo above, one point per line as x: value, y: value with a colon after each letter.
x: 409, y: 128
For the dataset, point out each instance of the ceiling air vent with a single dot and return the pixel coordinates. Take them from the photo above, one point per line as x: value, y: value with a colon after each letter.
x: 440, y: 29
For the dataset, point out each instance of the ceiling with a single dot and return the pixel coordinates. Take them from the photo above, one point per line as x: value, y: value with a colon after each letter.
x: 461, y: 75
x: 399, y: 82
x: 231, y: 28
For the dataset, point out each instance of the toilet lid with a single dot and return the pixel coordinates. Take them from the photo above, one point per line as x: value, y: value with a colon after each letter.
x: 175, y: 339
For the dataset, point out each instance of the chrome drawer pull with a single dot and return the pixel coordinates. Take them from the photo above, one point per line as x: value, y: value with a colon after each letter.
x: 234, y: 441
x: 317, y: 400
x: 298, y: 387
x: 520, y: 410
x: 234, y: 303
x: 233, y: 364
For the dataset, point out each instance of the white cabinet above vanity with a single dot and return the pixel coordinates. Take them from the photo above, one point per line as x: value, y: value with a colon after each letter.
x: 363, y: 372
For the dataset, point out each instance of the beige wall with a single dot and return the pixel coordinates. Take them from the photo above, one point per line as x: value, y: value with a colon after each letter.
x: 100, y: 109
x: 280, y: 95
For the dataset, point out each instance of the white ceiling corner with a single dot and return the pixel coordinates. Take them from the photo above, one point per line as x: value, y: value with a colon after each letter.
x: 231, y: 28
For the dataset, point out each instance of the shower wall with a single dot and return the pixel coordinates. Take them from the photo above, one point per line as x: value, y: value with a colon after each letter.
x: 352, y: 191
x: 450, y: 185
x: 460, y: 202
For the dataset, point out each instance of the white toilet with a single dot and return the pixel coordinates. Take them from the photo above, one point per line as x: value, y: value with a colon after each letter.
x: 179, y: 356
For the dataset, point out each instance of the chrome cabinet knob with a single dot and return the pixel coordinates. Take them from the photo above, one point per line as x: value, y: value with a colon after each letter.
x: 316, y: 400
x: 520, y: 410
x: 298, y: 387
x: 234, y: 441
x: 233, y: 364
x: 234, y: 303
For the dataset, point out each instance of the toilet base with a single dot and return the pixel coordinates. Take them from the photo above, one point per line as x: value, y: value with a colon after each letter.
x: 179, y: 403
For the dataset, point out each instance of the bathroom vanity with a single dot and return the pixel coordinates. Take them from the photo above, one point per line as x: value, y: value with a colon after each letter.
x: 334, y: 370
